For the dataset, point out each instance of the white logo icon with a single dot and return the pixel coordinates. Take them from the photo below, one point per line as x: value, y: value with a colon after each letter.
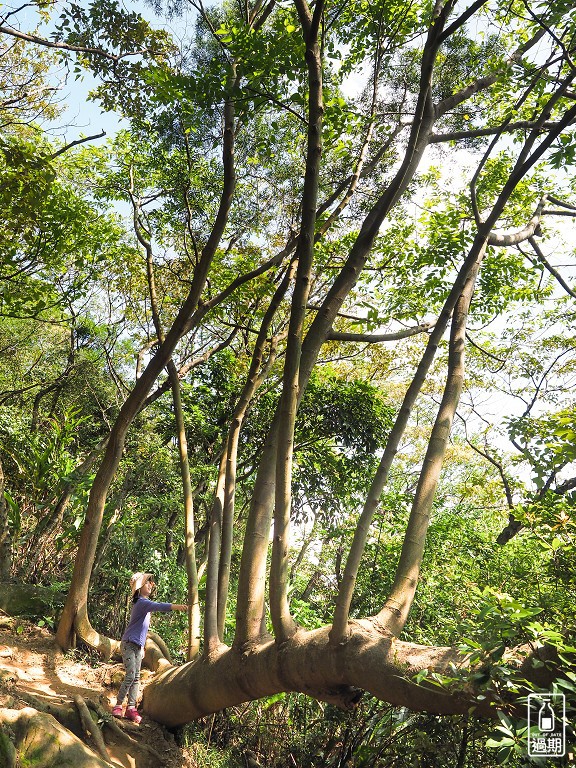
x: 546, y: 725
x: 546, y: 718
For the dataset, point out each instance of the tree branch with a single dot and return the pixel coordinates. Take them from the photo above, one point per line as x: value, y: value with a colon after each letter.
x: 561, y: 203
x: 566, y: 486
x: 474, y: 133
x: 345, y: 593
x: 553, y: 271
x: 66, y: 47
x: 75, y: 143
x: 187, y: 367
x: 525, y: 233
x: 461, y: 20
x: 282, y: 621
x: 379, y: 337
x: 394, y: 614
x: 500, y: 468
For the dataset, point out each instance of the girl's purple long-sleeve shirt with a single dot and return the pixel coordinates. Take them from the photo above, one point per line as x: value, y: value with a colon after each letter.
x: 139, y: 623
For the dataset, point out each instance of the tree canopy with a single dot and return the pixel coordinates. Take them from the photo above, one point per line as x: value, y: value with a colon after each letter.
x: 299, y: 338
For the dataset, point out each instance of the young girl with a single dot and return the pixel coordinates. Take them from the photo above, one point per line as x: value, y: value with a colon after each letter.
x: 134, y: 639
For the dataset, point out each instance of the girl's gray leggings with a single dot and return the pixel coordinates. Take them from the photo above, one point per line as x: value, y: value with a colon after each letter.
x: 132, y: 656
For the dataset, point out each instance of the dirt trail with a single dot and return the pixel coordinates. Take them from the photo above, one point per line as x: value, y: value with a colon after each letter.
x: 31, y: 665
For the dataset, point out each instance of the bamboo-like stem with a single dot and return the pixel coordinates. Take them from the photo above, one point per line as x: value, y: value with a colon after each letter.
x: 252, y: 575
x: 189, y: 524
x: 188, y: 496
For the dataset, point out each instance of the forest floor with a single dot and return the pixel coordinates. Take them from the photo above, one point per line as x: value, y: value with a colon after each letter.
x: 32, y: 668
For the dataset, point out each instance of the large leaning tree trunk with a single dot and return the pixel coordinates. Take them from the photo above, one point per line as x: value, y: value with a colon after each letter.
x: 333, y: 663
x: 337, y: 662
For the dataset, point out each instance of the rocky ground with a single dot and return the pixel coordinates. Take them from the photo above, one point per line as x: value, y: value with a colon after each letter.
x: 34, y: 673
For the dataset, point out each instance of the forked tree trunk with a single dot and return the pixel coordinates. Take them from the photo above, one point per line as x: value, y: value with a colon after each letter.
x: 370, y: 660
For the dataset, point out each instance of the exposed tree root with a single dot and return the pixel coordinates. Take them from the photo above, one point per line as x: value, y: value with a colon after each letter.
x: 91, y: 728
x: 28, y: 733
x: 162, y: 647
x: 157, y: 655
x: 75, y: 720
x: 120, y: 736
x: 6, y: 622
x: 66, y: 714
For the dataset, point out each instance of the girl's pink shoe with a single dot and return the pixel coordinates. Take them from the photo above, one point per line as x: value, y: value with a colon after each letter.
x: 117, y: 710
x: 132, y: 714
